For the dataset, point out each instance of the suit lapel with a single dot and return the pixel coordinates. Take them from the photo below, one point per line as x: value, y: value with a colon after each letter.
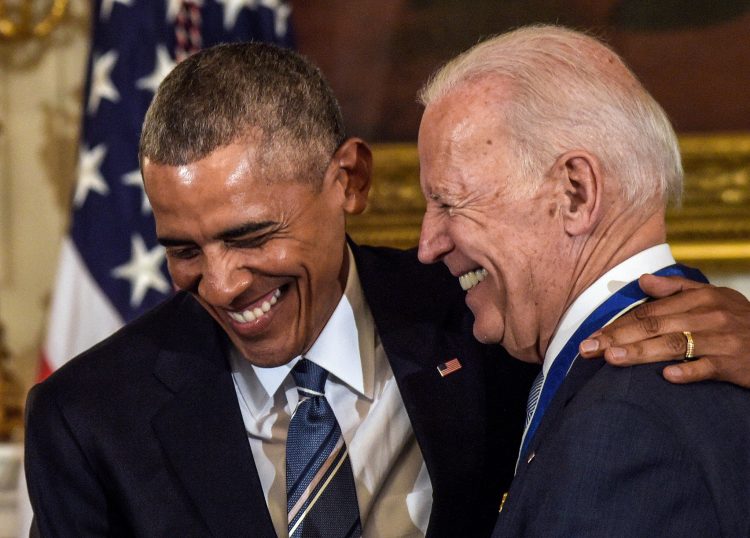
x: 580, y: 373
x: 431, y: 401
x: 203, y: 436
x: 418, y: 336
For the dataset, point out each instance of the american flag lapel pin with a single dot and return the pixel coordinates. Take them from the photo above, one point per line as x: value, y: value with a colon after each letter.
x: 449, y: 367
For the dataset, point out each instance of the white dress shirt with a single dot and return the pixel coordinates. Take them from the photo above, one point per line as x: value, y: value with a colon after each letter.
x: 393, y: 488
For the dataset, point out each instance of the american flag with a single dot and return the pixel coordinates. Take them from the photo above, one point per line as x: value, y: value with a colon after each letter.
x: 449, y: 367
x: 111, y: 269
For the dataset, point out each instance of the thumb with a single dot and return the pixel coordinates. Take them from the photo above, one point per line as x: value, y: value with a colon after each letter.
x: 664, y: 286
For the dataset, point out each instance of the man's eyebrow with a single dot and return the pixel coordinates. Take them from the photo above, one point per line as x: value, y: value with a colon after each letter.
x: 173, y: 242
x: 231, y: 233
x: 248, y: 228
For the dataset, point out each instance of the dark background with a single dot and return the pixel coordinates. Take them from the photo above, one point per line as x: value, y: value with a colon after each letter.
x: 692, y: 55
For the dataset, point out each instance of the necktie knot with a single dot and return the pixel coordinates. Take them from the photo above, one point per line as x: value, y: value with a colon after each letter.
x: 309, y: 376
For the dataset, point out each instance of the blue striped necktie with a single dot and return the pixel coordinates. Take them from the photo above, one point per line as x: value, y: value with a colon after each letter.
x: 321, y: 497
x: 536, y: 390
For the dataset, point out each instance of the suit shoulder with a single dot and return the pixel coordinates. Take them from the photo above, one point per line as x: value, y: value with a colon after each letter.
x: 690, y: 410
x: 398, y: 273
x: 393, y: 259
x: 130, y: 352
x: 646, y: 382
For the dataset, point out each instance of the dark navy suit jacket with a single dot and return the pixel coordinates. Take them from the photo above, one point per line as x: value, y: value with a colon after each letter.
x: 142, y: 435
x: 621, y: 452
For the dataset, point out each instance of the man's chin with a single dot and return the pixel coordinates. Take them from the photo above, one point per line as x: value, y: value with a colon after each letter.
x: 487, y: 336
x: 264, y: 356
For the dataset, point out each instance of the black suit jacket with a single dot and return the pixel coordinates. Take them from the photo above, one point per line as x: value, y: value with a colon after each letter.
x: 142, y: 435
x: 621, y: 452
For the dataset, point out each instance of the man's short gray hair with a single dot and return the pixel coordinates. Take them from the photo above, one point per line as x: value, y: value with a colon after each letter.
x: 570, y: 91
x: 253, y: 92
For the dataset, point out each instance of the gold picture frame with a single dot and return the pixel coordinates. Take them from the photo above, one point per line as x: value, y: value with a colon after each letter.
x: 711, y: 228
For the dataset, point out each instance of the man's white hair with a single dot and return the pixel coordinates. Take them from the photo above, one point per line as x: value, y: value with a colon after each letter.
x: 570, y: 91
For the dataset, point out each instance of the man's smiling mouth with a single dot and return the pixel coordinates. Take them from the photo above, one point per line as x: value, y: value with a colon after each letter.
x: 472, y: 278
x: 257, y: 310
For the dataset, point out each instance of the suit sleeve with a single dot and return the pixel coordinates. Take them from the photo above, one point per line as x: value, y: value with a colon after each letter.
x: 618, y: 470
x: 66, y: 496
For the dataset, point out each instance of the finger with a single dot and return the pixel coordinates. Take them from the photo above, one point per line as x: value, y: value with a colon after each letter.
x: 645, y: 319
x: 702, y: 296
x: 664, y: 286
x: 692, y: 295
x: 719, y: 368
x: 650, y: 327
x: 662, y: 348
x: 689, y: 372
x: 689, y: 299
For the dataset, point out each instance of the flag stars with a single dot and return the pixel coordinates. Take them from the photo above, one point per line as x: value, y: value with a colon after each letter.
x: 89, y: 175
x: 143, y: 270
x: 164, y: 64
x: 133, y: 179
x: 107, y: 5
x: 232, y: 8
x: 173, y: 8
x: 281, y: 11
x: 101, y: 81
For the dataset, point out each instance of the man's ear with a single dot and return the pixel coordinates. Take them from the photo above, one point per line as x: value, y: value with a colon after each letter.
x: 582, y: 182
x: 354, y: 173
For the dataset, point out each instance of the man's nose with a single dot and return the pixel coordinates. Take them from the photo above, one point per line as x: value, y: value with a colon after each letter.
x: 223, y: 281
x: 434, y: 243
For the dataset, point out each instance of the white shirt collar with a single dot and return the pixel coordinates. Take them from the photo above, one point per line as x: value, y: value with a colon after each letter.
x: 337, y: 349
x: 646, y: 261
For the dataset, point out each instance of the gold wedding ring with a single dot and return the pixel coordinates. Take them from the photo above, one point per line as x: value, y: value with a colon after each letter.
x: 690, y: 346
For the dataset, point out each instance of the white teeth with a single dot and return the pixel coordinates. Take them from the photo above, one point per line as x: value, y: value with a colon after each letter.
x: 252, y: 314
x: 472, y: 278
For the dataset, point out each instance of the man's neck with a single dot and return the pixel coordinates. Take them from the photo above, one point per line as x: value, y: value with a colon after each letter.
x: 650, y: 260
x: 613, y: 242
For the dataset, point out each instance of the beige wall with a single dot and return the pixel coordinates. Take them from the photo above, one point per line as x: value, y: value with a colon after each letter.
x: 40, y: 87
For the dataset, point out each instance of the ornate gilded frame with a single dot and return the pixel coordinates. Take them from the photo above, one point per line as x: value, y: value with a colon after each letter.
x: 711, y: 229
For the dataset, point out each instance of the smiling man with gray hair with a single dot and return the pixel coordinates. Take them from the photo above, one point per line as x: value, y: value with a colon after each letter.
x: 547, y: 168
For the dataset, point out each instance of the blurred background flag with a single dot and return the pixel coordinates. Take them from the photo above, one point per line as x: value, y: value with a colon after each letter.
x: 111, y: 268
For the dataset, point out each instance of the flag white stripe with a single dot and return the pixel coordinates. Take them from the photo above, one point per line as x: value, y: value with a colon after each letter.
x: 80, y: 313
